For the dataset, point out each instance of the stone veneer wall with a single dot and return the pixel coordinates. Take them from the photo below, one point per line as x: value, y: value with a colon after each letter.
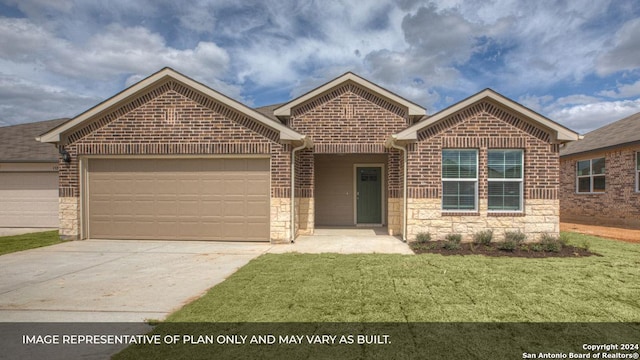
x: 425, y: 215
x: 394, y: 217
x: 618, y: 205
x: 280, y: 220
x: 69, y: 213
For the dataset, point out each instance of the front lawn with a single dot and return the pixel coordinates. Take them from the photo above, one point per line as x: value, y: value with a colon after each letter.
x: 9, y: 244
x: 428, y: 287
x: 497, y: 294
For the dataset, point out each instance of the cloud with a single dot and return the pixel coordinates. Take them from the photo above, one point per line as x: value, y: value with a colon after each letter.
x: 582, y: 113
x: 623, y: 91
x: 625, y: 53
x: 24, y: 101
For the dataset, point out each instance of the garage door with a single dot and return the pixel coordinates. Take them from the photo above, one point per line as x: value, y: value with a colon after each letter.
x: 179, y: 199
x: 29, y: 199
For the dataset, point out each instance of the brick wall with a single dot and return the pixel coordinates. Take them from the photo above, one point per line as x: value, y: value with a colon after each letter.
x: 619, y: 205
x: 171, y: 119
x: 482, y: 126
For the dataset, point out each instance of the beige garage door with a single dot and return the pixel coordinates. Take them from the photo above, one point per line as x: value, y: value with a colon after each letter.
x: 179, y: 199
x: 29, y: 199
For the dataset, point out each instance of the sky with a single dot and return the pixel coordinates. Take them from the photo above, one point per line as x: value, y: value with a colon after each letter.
x: 576, y: 62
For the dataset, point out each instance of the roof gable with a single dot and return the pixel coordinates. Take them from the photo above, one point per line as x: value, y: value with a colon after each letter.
x: 161, y: 77
x: 621, y: 132
x: 412, y: 108
x: 559, y: 133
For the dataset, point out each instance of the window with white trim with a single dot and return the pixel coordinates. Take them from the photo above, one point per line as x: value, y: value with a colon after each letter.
x: 638, y: 171
x: 459, y: 180
x: 506, y: 177
x: 590, y: 176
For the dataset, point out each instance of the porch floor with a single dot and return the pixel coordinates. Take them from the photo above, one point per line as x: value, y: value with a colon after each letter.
x: 346, y: 240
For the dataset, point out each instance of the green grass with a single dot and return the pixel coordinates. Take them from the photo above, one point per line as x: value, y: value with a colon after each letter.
x: 474, y: 306
x: 9, y: 244
x: 428, y: 287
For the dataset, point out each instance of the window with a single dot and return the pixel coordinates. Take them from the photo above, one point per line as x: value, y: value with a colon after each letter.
x: 590, y: 177
x: 506, y: 175
x: 459, y: 180
x: 638, y: 171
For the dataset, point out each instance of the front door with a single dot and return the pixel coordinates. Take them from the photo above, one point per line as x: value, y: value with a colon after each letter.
x: 369, y: 195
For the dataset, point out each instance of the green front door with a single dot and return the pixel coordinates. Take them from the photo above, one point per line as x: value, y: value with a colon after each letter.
x: 369, y: 195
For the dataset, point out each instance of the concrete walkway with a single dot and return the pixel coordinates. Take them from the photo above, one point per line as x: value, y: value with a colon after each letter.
x: 346, y: 241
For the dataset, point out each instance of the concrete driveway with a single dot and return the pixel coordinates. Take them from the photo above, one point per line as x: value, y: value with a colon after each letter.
x: 114, y: 281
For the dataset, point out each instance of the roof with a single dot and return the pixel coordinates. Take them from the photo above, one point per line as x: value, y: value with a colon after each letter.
x: 413, y: 108
x: 18, y: 142
x: 618, y: 133
x: 559, y: 132
x: 164, y: 75
x: 268, y: 111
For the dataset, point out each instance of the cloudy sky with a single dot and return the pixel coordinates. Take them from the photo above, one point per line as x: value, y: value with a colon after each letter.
x: 574, y: 61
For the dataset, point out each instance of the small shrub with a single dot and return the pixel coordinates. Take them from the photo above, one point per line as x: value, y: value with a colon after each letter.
x: 550, y: 243
x: 454, y: 238
x: 537, y: 247
x: 508, y: 245
x: 516, y: 236
x: 483, y: 237
x: 585, y: 244
x: 564, y: 239
x: 423, y: 237
x: 452, y: 241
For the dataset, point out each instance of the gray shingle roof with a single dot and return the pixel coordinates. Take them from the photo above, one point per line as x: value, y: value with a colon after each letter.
x: 18, y: 142
x: 268, y: 111
x: 621, y: 132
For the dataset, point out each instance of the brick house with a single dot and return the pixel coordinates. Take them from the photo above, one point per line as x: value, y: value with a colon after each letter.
x: 600, y: 176
x: 169, y: 158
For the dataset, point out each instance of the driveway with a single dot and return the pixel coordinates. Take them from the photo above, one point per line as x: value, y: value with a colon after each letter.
x: 114, y: 281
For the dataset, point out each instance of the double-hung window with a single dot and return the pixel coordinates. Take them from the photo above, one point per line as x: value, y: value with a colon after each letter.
x: 460, y: 180
x: 506, y: 174
x: 590, y: 176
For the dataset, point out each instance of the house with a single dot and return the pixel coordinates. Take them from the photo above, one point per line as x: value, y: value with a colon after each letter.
x: 169, y: 158
x: 600, y: 176
x: 28, y: 177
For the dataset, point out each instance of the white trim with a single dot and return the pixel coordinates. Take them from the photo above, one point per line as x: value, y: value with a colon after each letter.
x: 561, y: 133
x: 412, y: 108
x: 476, y: 180
x: 382, y: 192
x: 520, y: 180
x: 159, y: 77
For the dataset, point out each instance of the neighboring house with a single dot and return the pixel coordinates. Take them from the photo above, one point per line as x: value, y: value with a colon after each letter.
x: 28, y: 176
x: 600, y: 176
x: 169, y: 158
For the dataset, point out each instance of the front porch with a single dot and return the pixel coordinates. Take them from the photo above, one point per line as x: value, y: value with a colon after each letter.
x: 346, y: 240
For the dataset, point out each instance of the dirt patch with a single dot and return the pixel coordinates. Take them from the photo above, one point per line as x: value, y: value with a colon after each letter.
x: 524, y: 250
x: 617, y: 233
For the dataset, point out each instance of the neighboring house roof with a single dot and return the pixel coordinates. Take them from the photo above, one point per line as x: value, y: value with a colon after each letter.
x: 18, y: 142
x: 621, y: 132
x: 413, y: 108
x: 560, y: 133
x: 159, y: 77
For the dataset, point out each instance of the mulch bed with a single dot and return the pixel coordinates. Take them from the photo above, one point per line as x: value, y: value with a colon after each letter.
x: 525, y: 250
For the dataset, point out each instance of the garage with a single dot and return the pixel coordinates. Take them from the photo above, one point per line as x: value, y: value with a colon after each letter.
x: 178, y: 199
x: 29, y: 199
